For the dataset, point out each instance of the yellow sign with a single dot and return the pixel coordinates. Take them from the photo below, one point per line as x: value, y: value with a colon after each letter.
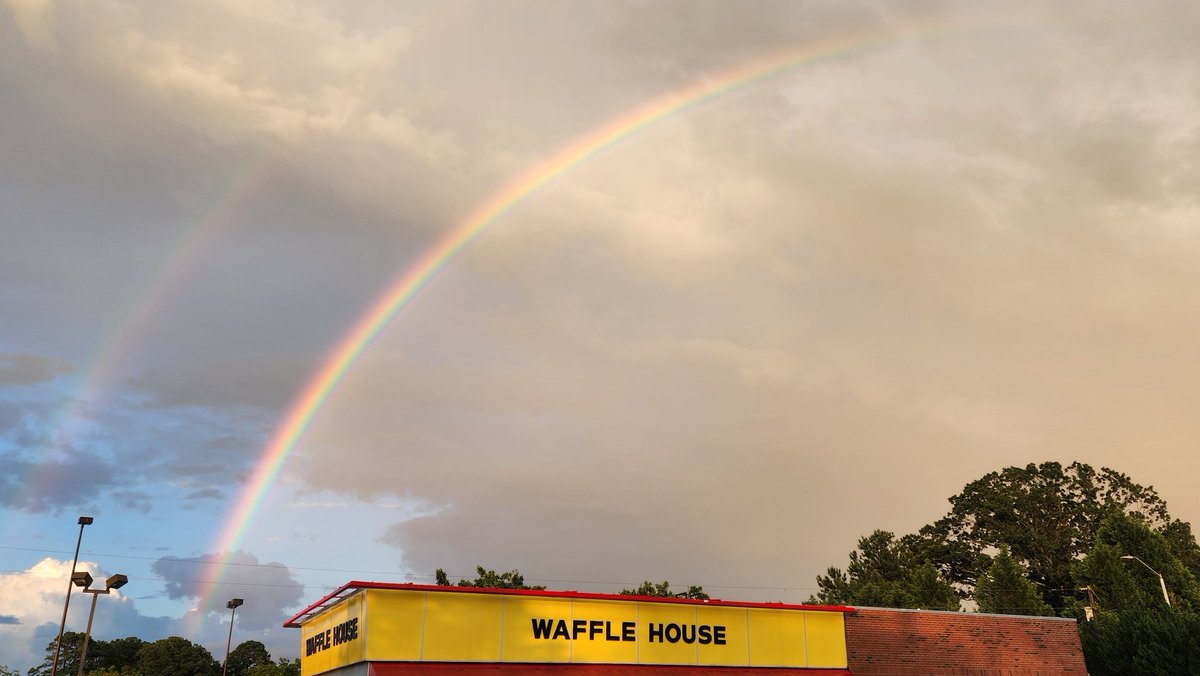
x: 429, y: 624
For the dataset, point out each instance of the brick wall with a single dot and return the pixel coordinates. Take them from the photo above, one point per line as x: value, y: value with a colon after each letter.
x: 886, y: 642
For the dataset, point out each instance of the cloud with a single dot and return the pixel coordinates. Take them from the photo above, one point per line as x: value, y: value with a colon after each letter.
x: 51, y: 485
x: 35, y: 598
x: 29, y: 369
x: 269, y: 589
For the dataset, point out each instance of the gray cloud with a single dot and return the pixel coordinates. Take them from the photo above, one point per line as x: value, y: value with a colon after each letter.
x: 716, y: 353
x: 28, y: 369
x: 9, y: 619
x: 269, y: 589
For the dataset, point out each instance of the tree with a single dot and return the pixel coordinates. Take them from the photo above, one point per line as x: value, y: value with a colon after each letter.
x: 884, y: 572
x: 513, y: 579
x: 8, y: 671
x: 68, y: 657
x: 284, y: 667
x: 1046, y: 514
x: 649, y: 588
x: 1124, y: 584
x: 116, y: 656
x: 1006, y: 590
x: 175, y: 656
x: 1142, y: 641
x: 247, y: 655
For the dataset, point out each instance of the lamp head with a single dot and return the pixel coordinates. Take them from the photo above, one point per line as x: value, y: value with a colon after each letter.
x: 116, y: 581
x: 1127, y: 556
x: 81, y: 578
x: 85, y: 520
x: 234, y: 603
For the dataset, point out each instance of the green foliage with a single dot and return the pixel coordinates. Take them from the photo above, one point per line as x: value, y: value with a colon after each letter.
x: 175, y: 656
x: 1124, y: 584
x: 1047, y: 515
x: 884, y: 572
x: 663, y: 589
x: 246, y: 656
x: 513, y: 579
x: 283, y: 667
x: 8, y: 671
x: 1142, y: 641
x: 1006, y: 590
x: 68, y: 658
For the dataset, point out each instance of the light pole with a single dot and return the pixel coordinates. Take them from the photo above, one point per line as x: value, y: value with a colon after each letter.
x: 232, y: 606
x: 83, y: 521
x: 1161, y: 581
x: 114, y: 582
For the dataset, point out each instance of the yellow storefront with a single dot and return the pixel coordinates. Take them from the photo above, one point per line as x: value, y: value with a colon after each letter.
x: 379, y: 629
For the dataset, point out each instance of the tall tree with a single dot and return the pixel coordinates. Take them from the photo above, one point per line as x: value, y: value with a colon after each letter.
x: 1046, y: 514
x: 663, y: 589
x: 246, y: 656
x: 68, y: 658
x: 887, y: 573
x: 1006, y: 590
x: 175, y: 656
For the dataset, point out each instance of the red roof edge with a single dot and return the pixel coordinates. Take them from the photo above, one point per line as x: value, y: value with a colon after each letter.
x: 352, y: 587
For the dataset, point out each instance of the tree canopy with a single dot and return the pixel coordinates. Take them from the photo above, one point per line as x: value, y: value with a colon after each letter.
x: 513, y: 579
x: 663, y: 589
x: 886, y: 573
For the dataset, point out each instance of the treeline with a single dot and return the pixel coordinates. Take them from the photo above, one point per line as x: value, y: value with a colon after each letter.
x: 172, y: 656
x: 1048, y: 540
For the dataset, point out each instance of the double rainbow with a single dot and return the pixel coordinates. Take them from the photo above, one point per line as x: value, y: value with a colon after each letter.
x: 405, y: 287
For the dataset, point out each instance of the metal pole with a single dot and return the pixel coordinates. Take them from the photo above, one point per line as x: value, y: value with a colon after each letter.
x: 83, y: 521
x: 1163, y: 583
x: 87, y: 634
x: 229, y: 641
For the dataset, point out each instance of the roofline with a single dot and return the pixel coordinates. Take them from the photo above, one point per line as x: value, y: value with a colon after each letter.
x: 967, y: 613
x: 337, y: 595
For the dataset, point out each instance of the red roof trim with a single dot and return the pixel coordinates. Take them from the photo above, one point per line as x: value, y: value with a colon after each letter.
x: 350, y: 588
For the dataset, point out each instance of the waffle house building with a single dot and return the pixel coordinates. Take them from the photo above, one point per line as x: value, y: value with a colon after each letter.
x: 383, y: 629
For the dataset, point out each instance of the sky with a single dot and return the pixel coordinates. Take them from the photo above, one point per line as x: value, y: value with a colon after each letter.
x: 852, y: 256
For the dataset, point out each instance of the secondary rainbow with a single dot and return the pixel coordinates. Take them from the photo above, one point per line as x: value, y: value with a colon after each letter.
x: 395, y: 297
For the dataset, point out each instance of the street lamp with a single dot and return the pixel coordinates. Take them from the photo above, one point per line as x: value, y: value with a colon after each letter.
x: 232, y: 606
x: 115, y: 582
x: 83, y: 521
x: 1161, y: 581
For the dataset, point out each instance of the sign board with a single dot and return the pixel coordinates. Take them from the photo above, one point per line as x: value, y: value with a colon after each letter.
x: 448, y: 625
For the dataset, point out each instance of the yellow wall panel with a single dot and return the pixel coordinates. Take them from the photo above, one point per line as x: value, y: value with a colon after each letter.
x: 393, y: 620
x: 462, y: 627
x: 519, y: 643
x: 728, y: 625
x: 776, y: 638
x: 826, y: 634
x: 659, y: 628
x: 603, y: 639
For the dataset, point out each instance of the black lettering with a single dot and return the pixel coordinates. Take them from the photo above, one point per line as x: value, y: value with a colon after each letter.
x: 542, y: 628
x: 577, y: 628
x: 608, y: 635
x: 327, y: 637
x: 672, y: 632
x: 560, y: 630
x: 595, y: 627
x: 309, y: 647
x: 719, y: 635
x: 656, y: 631
x: 354, y: 629
x: 705, y: 634
x: 686, y: 638
x: 627, y: 631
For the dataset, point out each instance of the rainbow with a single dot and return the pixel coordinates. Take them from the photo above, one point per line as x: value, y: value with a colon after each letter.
x: 406, y: 286
x: 101, y: 366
